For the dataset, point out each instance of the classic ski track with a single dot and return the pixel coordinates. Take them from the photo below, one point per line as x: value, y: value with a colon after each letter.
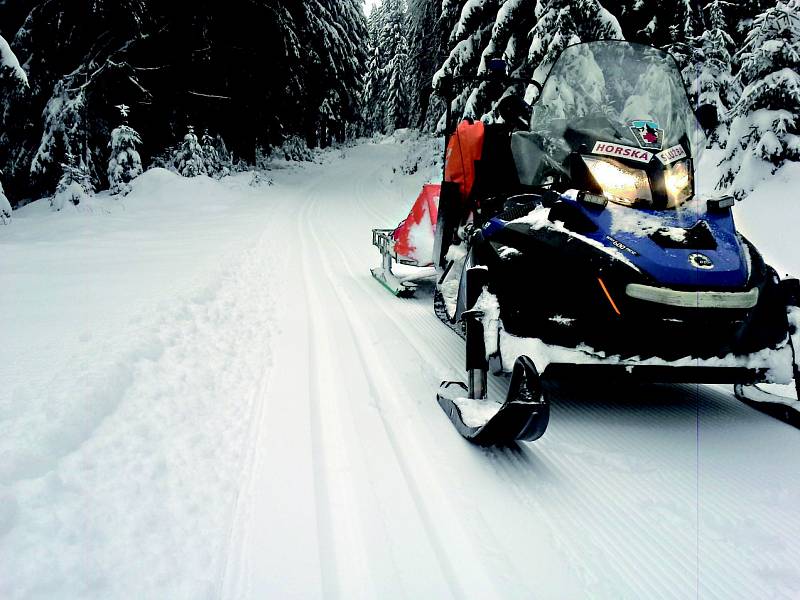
x: 380, y: 388
x: 450, y: 347
x: 325, y: 527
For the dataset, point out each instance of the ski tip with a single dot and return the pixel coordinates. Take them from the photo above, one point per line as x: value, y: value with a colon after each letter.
x: 395, y: 286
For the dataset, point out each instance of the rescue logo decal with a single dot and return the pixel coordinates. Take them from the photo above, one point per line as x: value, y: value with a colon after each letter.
x: 670, y: 155
x: 620, y: 151
x: 648, y: 134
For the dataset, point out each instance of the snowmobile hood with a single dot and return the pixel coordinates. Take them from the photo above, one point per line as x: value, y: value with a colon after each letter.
x: 690, y: 248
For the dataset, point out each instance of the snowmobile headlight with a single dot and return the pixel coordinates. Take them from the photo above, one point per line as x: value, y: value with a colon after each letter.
x: 678, y: 183
x: 620, y: 183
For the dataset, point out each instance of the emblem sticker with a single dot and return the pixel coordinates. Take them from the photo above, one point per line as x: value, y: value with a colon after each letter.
x: 648, y: 134
x: 620, y: 151
x: 701, y: 261
x: 670, y: 155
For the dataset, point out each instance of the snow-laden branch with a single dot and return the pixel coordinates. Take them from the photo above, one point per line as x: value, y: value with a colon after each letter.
x: 9, y: 59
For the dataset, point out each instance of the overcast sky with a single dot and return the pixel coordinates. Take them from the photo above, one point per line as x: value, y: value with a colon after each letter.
x: 370, y: 4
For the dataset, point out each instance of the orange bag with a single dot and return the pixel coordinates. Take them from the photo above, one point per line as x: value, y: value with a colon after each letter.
x: 464, y: 148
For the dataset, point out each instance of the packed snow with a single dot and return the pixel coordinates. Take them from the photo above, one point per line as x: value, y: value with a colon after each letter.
x: 206, y: 394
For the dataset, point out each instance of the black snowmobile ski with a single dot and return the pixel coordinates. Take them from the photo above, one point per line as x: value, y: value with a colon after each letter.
x: 524, y: 415
x: 778, y: 407
x: 783, y: 409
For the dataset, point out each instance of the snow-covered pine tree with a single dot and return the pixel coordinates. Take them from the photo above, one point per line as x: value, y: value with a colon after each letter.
x: 662, y: 23
x: 561, y: 23
x: 509, y: 40
x: 470, y: 33
x: 373, y: 96
x: 65, y: 139
x: 393, y: 41
x: 764, y: 126
x: 125, y: 164
x: 216, y: 164
x: 211, y: 160
x: 708, y: 75
x: 386, y: 98
x: 188, y: 159
x: 75, y: 185
x: 9, y: 64
x: 332, y: 36
x: 5, y: 207
x: 425, y: 55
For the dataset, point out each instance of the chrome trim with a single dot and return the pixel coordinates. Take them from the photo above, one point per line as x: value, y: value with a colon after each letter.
x: 693, y: 299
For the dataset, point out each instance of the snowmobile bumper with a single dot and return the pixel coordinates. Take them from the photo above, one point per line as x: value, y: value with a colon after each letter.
x: 656, y: 374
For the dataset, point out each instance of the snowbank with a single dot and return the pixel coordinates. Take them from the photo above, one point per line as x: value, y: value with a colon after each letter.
x: 770, y: 216
x: 134, y: 333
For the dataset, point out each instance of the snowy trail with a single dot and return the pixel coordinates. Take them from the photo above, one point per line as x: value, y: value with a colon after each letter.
x: 656, y: 492
x: 257, y: 419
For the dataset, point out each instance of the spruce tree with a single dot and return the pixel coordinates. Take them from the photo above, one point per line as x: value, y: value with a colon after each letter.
x: 393, y: 40
x: 75, y: 185
x: 9, y: 64
x: 374, y: 93
x: 188, y: 159
x: 470, y: 33
x: 425, y: 55
x: 125, y: 164
x: 708, y: 77
x: 5, y: 207
x: 562, y: 23
x: 764, y: 126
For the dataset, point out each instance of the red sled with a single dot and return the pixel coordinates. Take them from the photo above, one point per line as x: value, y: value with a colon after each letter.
x: 410, y: 243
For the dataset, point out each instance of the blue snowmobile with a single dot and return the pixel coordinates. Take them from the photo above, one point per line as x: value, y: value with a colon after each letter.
x: 573, y: 244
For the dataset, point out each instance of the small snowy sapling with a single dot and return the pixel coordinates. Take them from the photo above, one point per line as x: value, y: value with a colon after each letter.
x: 5, y: 207
x: 75, y: 185
x: 188, y: 159
x: 125, y: 164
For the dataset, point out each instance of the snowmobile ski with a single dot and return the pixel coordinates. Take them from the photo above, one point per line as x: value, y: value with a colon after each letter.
x: 522, y: 417
x: 777, y: 407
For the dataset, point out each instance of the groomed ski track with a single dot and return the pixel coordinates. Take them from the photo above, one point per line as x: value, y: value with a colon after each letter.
x: 357, y: 486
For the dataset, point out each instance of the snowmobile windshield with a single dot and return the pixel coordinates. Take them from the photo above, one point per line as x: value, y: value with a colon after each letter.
x: 623, y: 107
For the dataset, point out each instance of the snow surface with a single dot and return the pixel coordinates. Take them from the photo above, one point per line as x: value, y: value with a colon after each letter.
x: 205, y: 394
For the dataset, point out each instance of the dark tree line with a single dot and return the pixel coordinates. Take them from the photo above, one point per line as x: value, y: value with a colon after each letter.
x: 253, y: 71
